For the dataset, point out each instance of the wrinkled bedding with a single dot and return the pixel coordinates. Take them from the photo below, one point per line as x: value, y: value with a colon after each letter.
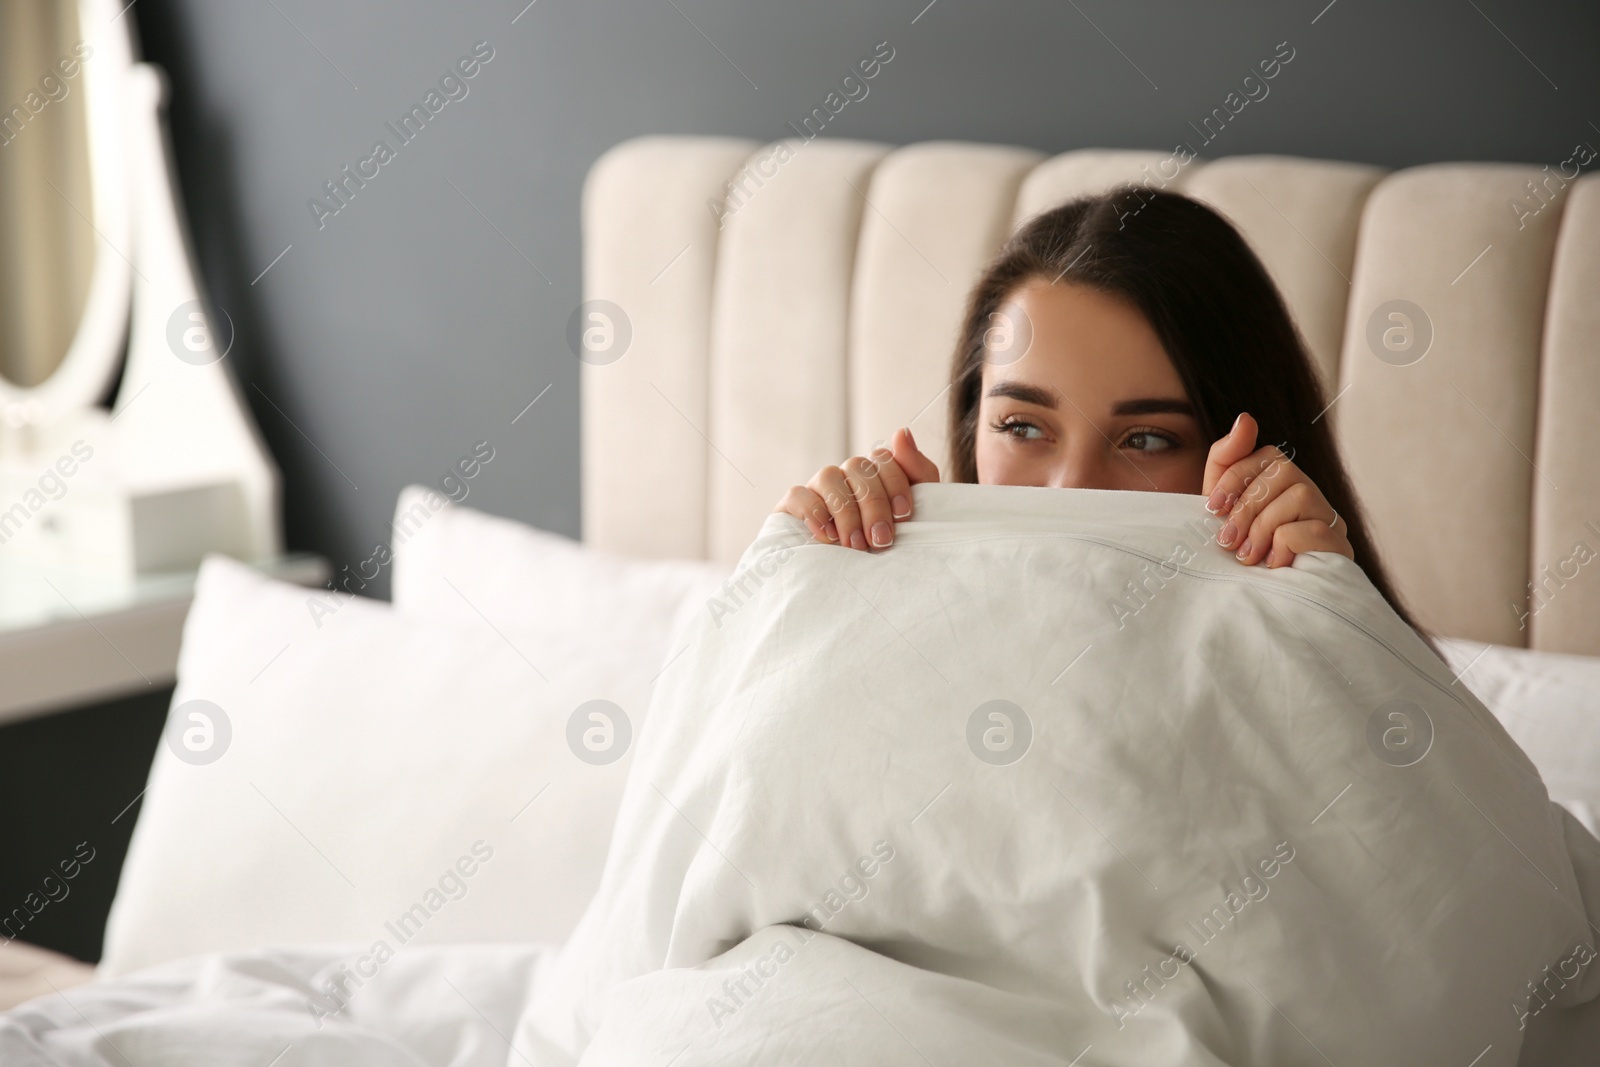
x: 312, y: 1006
x: 1053, y: 780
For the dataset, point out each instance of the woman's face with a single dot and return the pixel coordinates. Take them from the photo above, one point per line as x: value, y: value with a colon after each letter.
x: 1092, y: 402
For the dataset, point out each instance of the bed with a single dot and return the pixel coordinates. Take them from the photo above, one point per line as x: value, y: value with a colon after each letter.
x: 685, y: 450
x: 409, y: 821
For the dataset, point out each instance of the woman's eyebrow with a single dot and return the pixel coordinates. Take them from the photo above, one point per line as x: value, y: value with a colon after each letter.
x: 1153, y: 405
x: 1028, y: 394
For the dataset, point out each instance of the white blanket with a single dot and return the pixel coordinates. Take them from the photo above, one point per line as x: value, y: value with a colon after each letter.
x: 313, y: 1006
x: 1058, y: 777
x: 1054, y: 780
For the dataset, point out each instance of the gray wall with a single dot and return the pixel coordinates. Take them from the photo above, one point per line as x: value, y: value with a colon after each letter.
x: 415, y: 323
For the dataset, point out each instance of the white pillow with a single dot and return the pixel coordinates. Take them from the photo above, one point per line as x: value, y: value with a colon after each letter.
x: 377, y: 763
x: 1549, y: 703
x: 455, y: 562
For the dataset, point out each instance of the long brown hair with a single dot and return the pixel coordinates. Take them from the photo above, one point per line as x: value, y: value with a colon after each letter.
x: 1220, y: 318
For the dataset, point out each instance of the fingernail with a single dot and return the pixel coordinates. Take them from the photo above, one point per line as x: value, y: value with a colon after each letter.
x: 881, y: 534
x: 857, y: 541
x: 1236, y: 420
x: 1226, y: 535
x: 909, y: 438
x: 1244, y: 549
x: 902, y: 507
x: 831, y: 530
x: 1214, y: 502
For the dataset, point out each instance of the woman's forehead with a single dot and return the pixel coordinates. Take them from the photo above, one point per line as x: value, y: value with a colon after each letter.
x: 1075, y: 341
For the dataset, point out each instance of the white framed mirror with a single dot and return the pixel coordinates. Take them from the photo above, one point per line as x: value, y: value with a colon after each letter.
x: 65, y: 241
x: 97, y: 280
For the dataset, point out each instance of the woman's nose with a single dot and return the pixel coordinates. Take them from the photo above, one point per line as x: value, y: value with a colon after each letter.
x: 1083, y: 468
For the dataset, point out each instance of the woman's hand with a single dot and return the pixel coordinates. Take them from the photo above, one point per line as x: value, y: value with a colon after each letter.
x: 858, y: 502
x: 1272, y: 510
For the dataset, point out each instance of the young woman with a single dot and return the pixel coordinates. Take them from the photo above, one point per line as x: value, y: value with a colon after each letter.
x: 1126, y: 341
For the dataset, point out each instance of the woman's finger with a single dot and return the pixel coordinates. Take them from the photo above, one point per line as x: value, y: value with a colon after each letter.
x: 805, y: 505
x: 1307, y: 535
x: 918, y: 467
x: 1228, y: 450
x: 1230, y: 486
x: 829, y: 483
x: 1296, y: 501
x: 896, y: 485
x: 1251, y: 485
x: 877, y: 521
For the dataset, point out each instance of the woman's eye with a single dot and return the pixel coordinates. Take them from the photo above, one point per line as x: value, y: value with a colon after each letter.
x: 1016, y: 428
x: 1143, y: 441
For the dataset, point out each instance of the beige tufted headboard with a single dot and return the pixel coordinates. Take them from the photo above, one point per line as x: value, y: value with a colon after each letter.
x: 790, y: 306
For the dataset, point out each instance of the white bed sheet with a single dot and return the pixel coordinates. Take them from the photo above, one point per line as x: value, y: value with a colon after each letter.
x: 826, y: 852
